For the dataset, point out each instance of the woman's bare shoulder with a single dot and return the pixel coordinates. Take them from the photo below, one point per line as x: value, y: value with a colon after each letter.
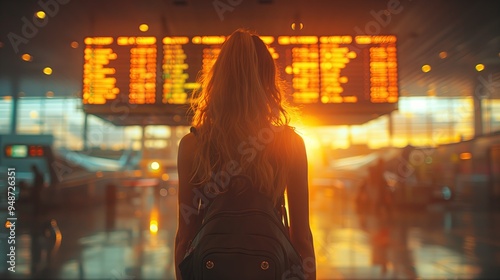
x: 187, y: 144
x: 188, y: 139
x: 291, y: 136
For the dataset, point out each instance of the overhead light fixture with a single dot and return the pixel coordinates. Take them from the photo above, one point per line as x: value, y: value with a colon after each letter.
x: 40, y: 14
x: 479, y: 67
x: 297, y: 26
x: 465, y: 156
x: 426, y: 68
x: 47, y: 71
x: 297, y: 23
x: 26, y: 57
x: 143, y: 27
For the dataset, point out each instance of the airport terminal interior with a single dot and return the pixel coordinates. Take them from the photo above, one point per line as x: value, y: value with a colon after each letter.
x: 95, y: 97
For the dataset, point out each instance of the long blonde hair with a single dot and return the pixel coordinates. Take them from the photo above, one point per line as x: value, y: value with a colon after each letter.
x: 242, y: 98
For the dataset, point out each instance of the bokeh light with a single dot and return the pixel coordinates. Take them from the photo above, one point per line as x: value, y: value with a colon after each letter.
x: 143, y: 27
x: 47, y: 71
x: 426, y: 68
x: 26, y: 57
x: 40, y: 14
x: 297, y: 26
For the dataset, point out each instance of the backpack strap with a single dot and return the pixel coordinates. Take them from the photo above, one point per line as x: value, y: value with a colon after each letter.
x: 284, y: 214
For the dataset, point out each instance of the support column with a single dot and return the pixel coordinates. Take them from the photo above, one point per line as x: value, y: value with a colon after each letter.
x: 428, y: 125
x: 349, y: 135
x: 478, y: 116
x: 143, y: 137
x: 173, y: 142
x: 390, y: 128
x: 15, y: 104
x: 85, y: 132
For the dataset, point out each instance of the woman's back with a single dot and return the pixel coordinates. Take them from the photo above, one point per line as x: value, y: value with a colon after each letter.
x: 241, y: 128
x: 277, y: 149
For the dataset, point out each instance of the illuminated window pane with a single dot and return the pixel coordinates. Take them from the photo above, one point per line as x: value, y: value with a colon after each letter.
x: 5, y: 116
x: 157, y: 131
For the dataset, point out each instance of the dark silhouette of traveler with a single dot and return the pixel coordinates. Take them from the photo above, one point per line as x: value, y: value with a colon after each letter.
x: 54, y: 178
x: 362, y: 197
x: 380, y: 249
x: 110, y: 206
x: 382, y: 195
x: 240, y: 127
x: 38, y: 183
x: 37, y: 187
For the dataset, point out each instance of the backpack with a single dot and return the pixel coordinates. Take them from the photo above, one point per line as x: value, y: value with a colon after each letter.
x: 242, y: 236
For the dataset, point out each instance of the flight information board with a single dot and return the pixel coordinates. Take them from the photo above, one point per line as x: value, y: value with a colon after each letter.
x: 154, y: 73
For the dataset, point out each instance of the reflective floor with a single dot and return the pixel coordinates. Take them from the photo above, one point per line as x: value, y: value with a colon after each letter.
x: 134, y: 240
